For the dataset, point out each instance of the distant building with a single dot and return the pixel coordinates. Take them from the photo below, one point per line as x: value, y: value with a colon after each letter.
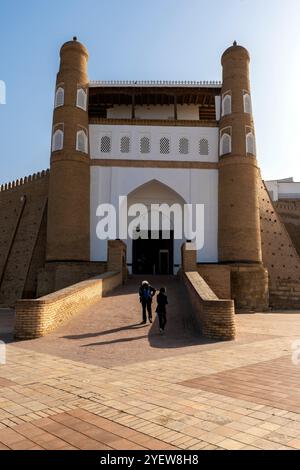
x: 283, y: 189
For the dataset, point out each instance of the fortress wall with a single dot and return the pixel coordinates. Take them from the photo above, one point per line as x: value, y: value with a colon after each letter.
x: 280, y: 256
x: 289, y: 211
x: 22, y: 207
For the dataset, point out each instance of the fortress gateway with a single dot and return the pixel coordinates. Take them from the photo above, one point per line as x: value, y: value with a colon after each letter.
x: 154, y: 142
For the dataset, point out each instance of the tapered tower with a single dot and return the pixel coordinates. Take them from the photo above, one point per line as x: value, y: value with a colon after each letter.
x: 69, y: 192
x: 239, y: 222
x: 239, y: 217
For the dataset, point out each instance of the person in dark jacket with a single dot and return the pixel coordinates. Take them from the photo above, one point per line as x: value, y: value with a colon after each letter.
x: 146, y: 293
x: 162, y: 301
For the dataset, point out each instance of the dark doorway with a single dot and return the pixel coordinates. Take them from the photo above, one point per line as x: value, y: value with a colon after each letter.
x: 153, y: 255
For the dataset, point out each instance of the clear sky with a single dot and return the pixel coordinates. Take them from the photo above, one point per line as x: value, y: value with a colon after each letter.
x: 148, y: 39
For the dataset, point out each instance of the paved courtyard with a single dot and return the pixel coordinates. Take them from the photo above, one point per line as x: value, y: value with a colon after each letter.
x: 103, y: 381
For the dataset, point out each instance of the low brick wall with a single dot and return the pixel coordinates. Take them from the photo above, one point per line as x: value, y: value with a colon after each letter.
x: 215, y: 317
x: 38, y: 317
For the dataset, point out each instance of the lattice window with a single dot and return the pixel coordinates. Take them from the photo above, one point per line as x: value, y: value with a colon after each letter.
x: 183, y: 146
x: 82, y: 142
x: 250, y: 143
x: 125, y: 144
x: 81, y: 99
x: 247, y: 104
x: 105, y: 146
x: 164, y: 146
x: 226, y: 105
x: 225, y: 146
x: 57, y: 140
x: 59, y: 97
x: 145, y: 146
x: 203, y: 147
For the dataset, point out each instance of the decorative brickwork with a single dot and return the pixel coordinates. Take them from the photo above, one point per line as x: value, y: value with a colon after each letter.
x: 35, y: 318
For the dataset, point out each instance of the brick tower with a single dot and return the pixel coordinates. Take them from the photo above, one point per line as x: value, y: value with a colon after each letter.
x: 69, y: 200
x: 239, y: 219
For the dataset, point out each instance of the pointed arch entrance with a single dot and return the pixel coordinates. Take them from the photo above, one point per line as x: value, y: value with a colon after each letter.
x: 153, y: 252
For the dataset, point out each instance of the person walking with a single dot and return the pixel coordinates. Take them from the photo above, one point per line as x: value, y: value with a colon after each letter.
x: 146, y: 293
x: 162, y: 302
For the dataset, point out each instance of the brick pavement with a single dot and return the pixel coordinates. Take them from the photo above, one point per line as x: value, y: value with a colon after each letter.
x: 194, y: 395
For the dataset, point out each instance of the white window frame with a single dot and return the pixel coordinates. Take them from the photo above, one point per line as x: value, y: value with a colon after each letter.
x: 226, y: 97
x: 83, y: 93
x: 246, y: 97
x: 225, y: 134
x: 62, y: 91
x: 253, y: 143
x: 55, y: 134
x: 78, y: 135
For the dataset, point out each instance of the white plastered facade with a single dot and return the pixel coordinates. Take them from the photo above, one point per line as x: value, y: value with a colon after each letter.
x: 169, y: 185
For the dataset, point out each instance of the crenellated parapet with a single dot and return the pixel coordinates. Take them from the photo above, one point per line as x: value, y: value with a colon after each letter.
x: 288, y: 206
x: 23, y: 181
